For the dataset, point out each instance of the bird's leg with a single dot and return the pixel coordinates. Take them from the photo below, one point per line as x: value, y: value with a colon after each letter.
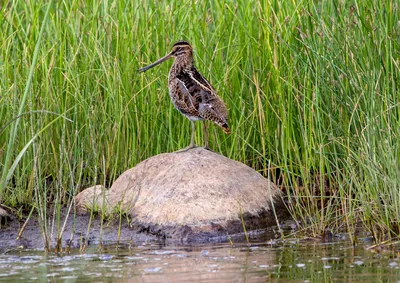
x: 192, y: 139
x: 205, y: 134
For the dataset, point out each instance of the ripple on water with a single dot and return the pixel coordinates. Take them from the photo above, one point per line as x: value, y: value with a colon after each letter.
x: 152, y: 269
x: 204, y: 252
x: 106, y: 257
x: 30, y: 258
x: 92, y: 274
x: 21, y: 267
x: 134, y: 257
x: 163, y: 252
x: 179, y: 255
x: 68, y: 269
x: 69, y: 277
x: 330, y: 258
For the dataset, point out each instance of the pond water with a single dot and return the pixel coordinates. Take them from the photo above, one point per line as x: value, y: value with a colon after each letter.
x: 283, y: 261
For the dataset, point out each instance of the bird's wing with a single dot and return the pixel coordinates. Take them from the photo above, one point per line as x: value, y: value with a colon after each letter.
x: 183, y: 99
x: 201, y: 81
x: 186, y: 95
x: 195, y: 90
x: 194, y: 81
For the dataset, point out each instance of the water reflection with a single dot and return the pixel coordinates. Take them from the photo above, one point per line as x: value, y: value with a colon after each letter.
x: 290, y: 260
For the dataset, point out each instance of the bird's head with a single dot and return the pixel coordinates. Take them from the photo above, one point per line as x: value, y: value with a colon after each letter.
x: 181, y: 50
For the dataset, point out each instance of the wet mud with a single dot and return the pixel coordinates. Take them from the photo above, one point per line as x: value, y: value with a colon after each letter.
x: 84, y: 230
x: 79, y: 231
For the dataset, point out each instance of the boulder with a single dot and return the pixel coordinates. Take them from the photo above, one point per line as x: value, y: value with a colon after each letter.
x: 193, y: 193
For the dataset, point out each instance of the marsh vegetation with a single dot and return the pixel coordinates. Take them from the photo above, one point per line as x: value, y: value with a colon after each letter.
x: 312, y: 89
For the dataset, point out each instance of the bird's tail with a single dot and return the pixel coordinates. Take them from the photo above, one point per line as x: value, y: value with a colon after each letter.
x: 225, y: 128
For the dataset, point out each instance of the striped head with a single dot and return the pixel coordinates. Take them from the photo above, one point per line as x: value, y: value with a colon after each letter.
x: 181, y: 50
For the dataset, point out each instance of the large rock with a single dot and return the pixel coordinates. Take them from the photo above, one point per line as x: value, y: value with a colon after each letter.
x: 192, y: 193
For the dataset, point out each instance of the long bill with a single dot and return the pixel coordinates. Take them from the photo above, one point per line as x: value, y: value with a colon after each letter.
x: 159, y: 61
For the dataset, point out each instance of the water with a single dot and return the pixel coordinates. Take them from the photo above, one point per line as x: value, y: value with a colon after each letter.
x: 288, y: 261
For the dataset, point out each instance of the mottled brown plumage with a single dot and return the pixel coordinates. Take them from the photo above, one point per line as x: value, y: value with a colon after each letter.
x: 190, y: 92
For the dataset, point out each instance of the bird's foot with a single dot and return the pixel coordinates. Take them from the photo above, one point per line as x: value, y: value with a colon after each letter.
x: 187, y: 148
x: 206, y: 147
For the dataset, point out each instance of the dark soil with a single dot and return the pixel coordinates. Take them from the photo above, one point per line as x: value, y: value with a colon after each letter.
x: 76, y: 235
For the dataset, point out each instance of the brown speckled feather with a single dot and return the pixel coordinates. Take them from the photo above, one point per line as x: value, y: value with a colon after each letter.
x: 195, y: 98
x: 190, y: 92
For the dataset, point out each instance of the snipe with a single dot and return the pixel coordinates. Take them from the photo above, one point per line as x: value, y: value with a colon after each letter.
x: 191, y: 93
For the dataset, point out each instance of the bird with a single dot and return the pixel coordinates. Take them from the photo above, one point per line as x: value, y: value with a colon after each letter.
x: 191, y: 94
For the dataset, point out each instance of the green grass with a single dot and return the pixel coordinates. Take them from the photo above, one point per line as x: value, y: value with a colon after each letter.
x: 312, y: 89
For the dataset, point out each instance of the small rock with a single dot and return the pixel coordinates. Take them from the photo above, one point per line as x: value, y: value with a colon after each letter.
x: 91, y: 199
x: 3, y: 212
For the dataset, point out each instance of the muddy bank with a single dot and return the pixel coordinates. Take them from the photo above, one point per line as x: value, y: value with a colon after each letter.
x: 82, y: 229
x: 78, y: 231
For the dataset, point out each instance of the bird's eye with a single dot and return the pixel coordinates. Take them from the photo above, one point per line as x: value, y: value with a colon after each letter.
x: 178, y: 50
